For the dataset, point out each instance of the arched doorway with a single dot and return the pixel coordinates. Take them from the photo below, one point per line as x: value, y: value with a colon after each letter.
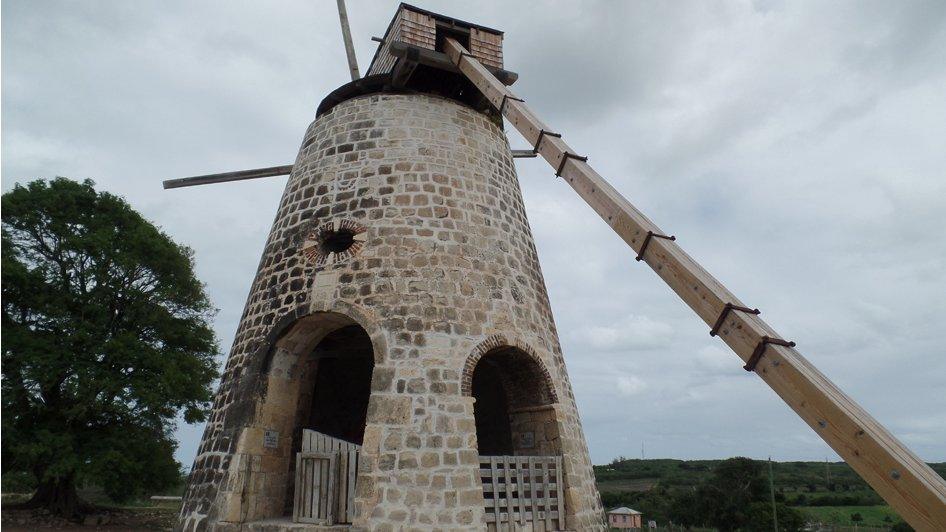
x: 518, y: 438
x: 317, y: 385
x: 337, y: 385
x: 514, y: 405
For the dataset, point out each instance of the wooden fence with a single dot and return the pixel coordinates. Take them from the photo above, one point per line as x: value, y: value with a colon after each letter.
x: 326, y: 472
x: 523, y: 489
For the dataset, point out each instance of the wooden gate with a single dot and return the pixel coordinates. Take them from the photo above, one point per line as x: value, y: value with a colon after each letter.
x: 326, y: 471
x: 523, y: 489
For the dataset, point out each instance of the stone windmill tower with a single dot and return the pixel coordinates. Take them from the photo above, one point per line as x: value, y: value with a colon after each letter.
x: 397, y: 364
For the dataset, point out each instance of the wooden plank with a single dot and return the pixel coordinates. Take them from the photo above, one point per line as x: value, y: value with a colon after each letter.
x: 330, y: 491
x: 324, y: 475
x: 560, y: 495
x: 521, y: 492
x: 534, y: 500
x: 911, y: 487
x: 495, y: 490
x: 509, y: 494
x: 352, y: 472
x: 302, y: 489
x: 240, y: 175
x: 342, y: 487
x: 297, y: 498
x: 545, y: 494
x: 316, y: 492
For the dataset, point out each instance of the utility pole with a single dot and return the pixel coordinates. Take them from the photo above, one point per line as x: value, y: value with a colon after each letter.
x: 772, y: 495
x: 346, y: 35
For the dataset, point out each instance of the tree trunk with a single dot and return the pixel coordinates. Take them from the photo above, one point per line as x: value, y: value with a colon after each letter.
x: 59, y: 497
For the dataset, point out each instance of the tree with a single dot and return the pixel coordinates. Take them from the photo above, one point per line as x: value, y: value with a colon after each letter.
x: 736, y: 483
x: 106, y: 341
x: 736, y: 497
x: 759, y: 517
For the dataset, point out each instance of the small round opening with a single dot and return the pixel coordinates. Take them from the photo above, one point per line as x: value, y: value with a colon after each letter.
x: 338, y: 241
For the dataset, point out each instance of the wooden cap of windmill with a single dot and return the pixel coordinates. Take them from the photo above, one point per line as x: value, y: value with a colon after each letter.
x: 411, y: 56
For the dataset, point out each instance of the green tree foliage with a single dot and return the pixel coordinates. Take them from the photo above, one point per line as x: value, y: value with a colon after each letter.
x: 106, y: 340
x: 735, y: 497
x: 759, y: 517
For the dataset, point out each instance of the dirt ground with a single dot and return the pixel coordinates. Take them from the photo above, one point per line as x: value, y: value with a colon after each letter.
x: 110, y: 519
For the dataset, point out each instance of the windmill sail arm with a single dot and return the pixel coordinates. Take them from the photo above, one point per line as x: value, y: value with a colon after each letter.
x: 225, y: 177
x: 910, y: 486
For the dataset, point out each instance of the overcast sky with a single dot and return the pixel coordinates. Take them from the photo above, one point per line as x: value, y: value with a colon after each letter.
x: 797, y: 150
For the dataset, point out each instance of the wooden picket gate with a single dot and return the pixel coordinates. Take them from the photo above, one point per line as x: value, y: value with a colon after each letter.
x: 326, y: 472
x: 523, y: 489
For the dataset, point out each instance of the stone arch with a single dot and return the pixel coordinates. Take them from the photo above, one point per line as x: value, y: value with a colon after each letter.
x: 515, y: 406
x: 345, y: 312
x: 497, y: 342
x: 316, y: 374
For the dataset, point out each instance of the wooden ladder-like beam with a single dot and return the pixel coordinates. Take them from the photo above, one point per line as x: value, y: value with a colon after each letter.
x: 910, y: 486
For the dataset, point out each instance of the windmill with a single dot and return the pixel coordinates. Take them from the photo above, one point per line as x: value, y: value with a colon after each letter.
x: 397, y: 365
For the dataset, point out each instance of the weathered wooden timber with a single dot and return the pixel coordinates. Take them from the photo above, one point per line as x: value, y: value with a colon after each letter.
x: 440, y: 60
x: 239, y: 175
x: 524, y: 154
x: 346, y: 36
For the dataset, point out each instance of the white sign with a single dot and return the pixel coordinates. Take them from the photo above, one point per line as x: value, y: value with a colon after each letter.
x: 526, y: 440
x: 271, y: 439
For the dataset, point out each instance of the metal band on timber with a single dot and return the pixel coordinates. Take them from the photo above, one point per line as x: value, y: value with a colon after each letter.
x: 760, y: 350
x: 542, y: 134
x: 911, y: 487
x: 502, y: 105
x: 650, y: 235
x: 722, y: 316
x: 565, y: 157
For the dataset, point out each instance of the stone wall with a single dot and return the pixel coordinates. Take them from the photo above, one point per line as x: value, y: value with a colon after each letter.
x: 445, y: 271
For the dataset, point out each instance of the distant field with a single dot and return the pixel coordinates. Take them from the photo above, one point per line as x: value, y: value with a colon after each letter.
x: 841, y: 515
x: 637, y: 484
x: 823, y: 492
x: 814, y: 479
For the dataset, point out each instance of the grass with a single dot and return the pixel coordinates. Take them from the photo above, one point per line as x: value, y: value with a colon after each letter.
x: 841, y: 515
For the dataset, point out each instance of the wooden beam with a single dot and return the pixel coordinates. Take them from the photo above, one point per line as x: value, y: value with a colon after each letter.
x: 228, y: 176
x: 433, y: 58
x: 346, y: 36
x: 910, y: 486
x: 524, y: 154
x: 403, y: 69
